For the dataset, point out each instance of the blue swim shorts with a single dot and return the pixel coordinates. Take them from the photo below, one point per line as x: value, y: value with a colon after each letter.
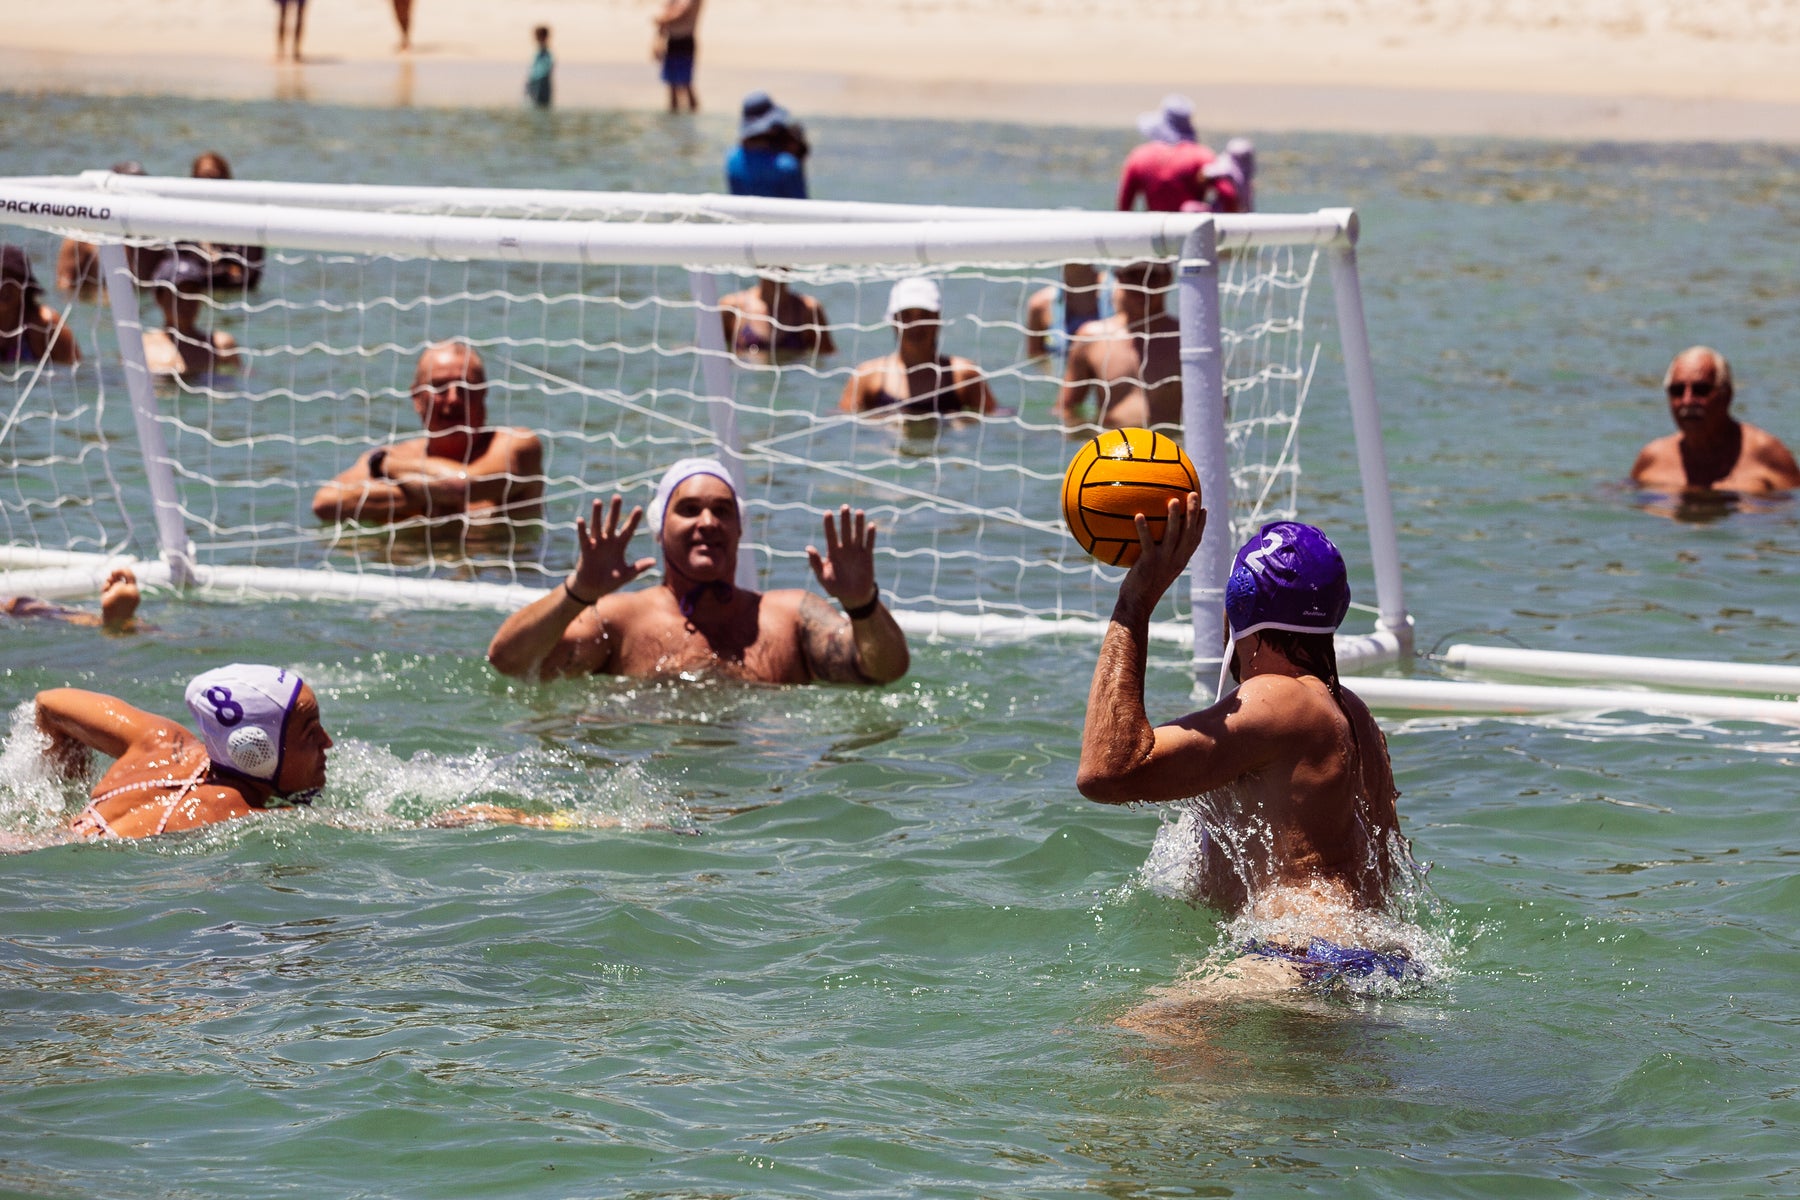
x: 678, y: 62
x: 1326, y: 962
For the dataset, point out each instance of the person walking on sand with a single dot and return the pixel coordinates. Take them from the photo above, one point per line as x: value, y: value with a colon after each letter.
x: 537, y: 83
x: 675, y: 27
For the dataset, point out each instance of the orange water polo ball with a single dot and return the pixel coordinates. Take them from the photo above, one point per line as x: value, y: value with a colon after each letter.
x: 1116, y: 476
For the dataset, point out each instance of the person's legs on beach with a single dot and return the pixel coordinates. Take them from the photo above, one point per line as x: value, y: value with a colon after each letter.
x: 281, y: 29
x: 299, y: 25
x: 403, y: 16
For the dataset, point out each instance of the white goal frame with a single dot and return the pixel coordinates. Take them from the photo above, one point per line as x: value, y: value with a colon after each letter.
x: 508, y: 225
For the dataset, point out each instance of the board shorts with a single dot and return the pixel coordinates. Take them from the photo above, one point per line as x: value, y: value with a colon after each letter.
x: 678, y: 61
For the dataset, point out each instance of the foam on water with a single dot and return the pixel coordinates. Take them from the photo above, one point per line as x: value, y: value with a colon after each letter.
x: 369, y: 788
x: 1413, y: 922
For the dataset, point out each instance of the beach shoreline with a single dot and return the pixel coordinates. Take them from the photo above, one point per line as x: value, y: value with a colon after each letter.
x: 1625, y: 78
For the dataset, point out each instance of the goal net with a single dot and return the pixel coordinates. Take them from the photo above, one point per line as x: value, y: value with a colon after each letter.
x: 602, y: 320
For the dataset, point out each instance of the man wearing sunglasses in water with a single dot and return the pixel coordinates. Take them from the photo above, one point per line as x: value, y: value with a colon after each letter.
x: 1713, y: 450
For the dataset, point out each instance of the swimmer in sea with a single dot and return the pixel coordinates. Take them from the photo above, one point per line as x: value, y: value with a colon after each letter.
x: 30, y: 330
x: 697, y: 619
x: 260, y: 743
x: 1289, y: 771
x: 916, y: 380
x: 1131, y: 360
x: 181, y: 347
x: 118, y: 606
x: 460, y: 467
x: 1712, y: 451
x: 773, y: 321
x: 1054, y: 313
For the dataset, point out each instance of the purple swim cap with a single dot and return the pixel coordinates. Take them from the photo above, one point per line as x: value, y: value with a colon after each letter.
x: 1289, y: 576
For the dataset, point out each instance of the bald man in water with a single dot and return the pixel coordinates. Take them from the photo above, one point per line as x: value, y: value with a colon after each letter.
x: 459, y: 467
x: 1711, y: 450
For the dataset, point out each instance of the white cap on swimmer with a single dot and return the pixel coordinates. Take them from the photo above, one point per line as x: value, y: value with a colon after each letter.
x: 917, y: 292
x: 243, y: 710
x: 680, y: 472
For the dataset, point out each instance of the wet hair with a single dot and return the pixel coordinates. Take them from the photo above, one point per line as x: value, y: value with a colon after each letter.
x: 1150, y: 275
x: 15, y: 269
x: 1314, y: 653
x: 211, y: 165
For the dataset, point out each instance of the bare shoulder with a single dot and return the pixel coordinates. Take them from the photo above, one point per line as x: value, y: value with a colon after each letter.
x: 1285, y: 707
x: 521, y: 442
x: 1656, y: 456
x: 1766, y: 445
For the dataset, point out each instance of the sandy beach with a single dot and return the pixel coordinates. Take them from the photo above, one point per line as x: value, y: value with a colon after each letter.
x: 1621, y: 69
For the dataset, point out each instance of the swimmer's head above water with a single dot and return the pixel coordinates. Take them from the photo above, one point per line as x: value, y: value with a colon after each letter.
x: 680, y: 472
x: 250, y: 716
x: 1288, y: 577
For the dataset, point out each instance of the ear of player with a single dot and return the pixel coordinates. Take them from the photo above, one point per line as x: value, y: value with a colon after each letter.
x: 1116, y: 476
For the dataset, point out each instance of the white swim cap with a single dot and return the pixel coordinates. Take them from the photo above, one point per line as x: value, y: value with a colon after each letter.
x: 679, y: 473
x: 917, y: 292
x: 243, y: 710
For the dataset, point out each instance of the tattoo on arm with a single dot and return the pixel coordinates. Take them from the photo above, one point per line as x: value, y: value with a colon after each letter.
x: 829, y: 642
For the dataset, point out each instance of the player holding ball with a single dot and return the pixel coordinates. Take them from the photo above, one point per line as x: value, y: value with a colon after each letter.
x: 1289, y: 772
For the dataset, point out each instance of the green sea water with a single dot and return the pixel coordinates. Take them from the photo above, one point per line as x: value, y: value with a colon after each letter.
x: 872, y: 942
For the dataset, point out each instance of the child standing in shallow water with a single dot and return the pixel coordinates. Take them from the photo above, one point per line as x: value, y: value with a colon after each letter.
x: 537, y: 83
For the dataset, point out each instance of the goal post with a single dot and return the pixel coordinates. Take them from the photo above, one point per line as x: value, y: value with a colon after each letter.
x: 599, y: 315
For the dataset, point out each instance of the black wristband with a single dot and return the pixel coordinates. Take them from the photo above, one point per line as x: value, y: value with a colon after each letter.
x: 864, y: 610
x: 577, y: 599
x: 378, y: 463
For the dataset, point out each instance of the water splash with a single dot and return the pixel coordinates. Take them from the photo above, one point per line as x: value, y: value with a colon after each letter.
x: 1411, y: 922
x: 34, y: 799
x: 370, y: 788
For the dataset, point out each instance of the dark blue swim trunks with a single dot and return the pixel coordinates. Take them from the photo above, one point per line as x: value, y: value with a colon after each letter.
x: 1327, y: 962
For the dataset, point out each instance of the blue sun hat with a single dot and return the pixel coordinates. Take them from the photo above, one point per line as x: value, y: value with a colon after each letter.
x: 1289, y: 576
x: 761, y: 115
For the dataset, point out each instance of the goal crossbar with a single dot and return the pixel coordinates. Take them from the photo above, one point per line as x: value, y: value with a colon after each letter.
x: 707, y: 240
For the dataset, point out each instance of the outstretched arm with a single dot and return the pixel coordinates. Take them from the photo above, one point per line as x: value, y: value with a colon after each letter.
x: 537, y: 638
x: 863, y: 644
